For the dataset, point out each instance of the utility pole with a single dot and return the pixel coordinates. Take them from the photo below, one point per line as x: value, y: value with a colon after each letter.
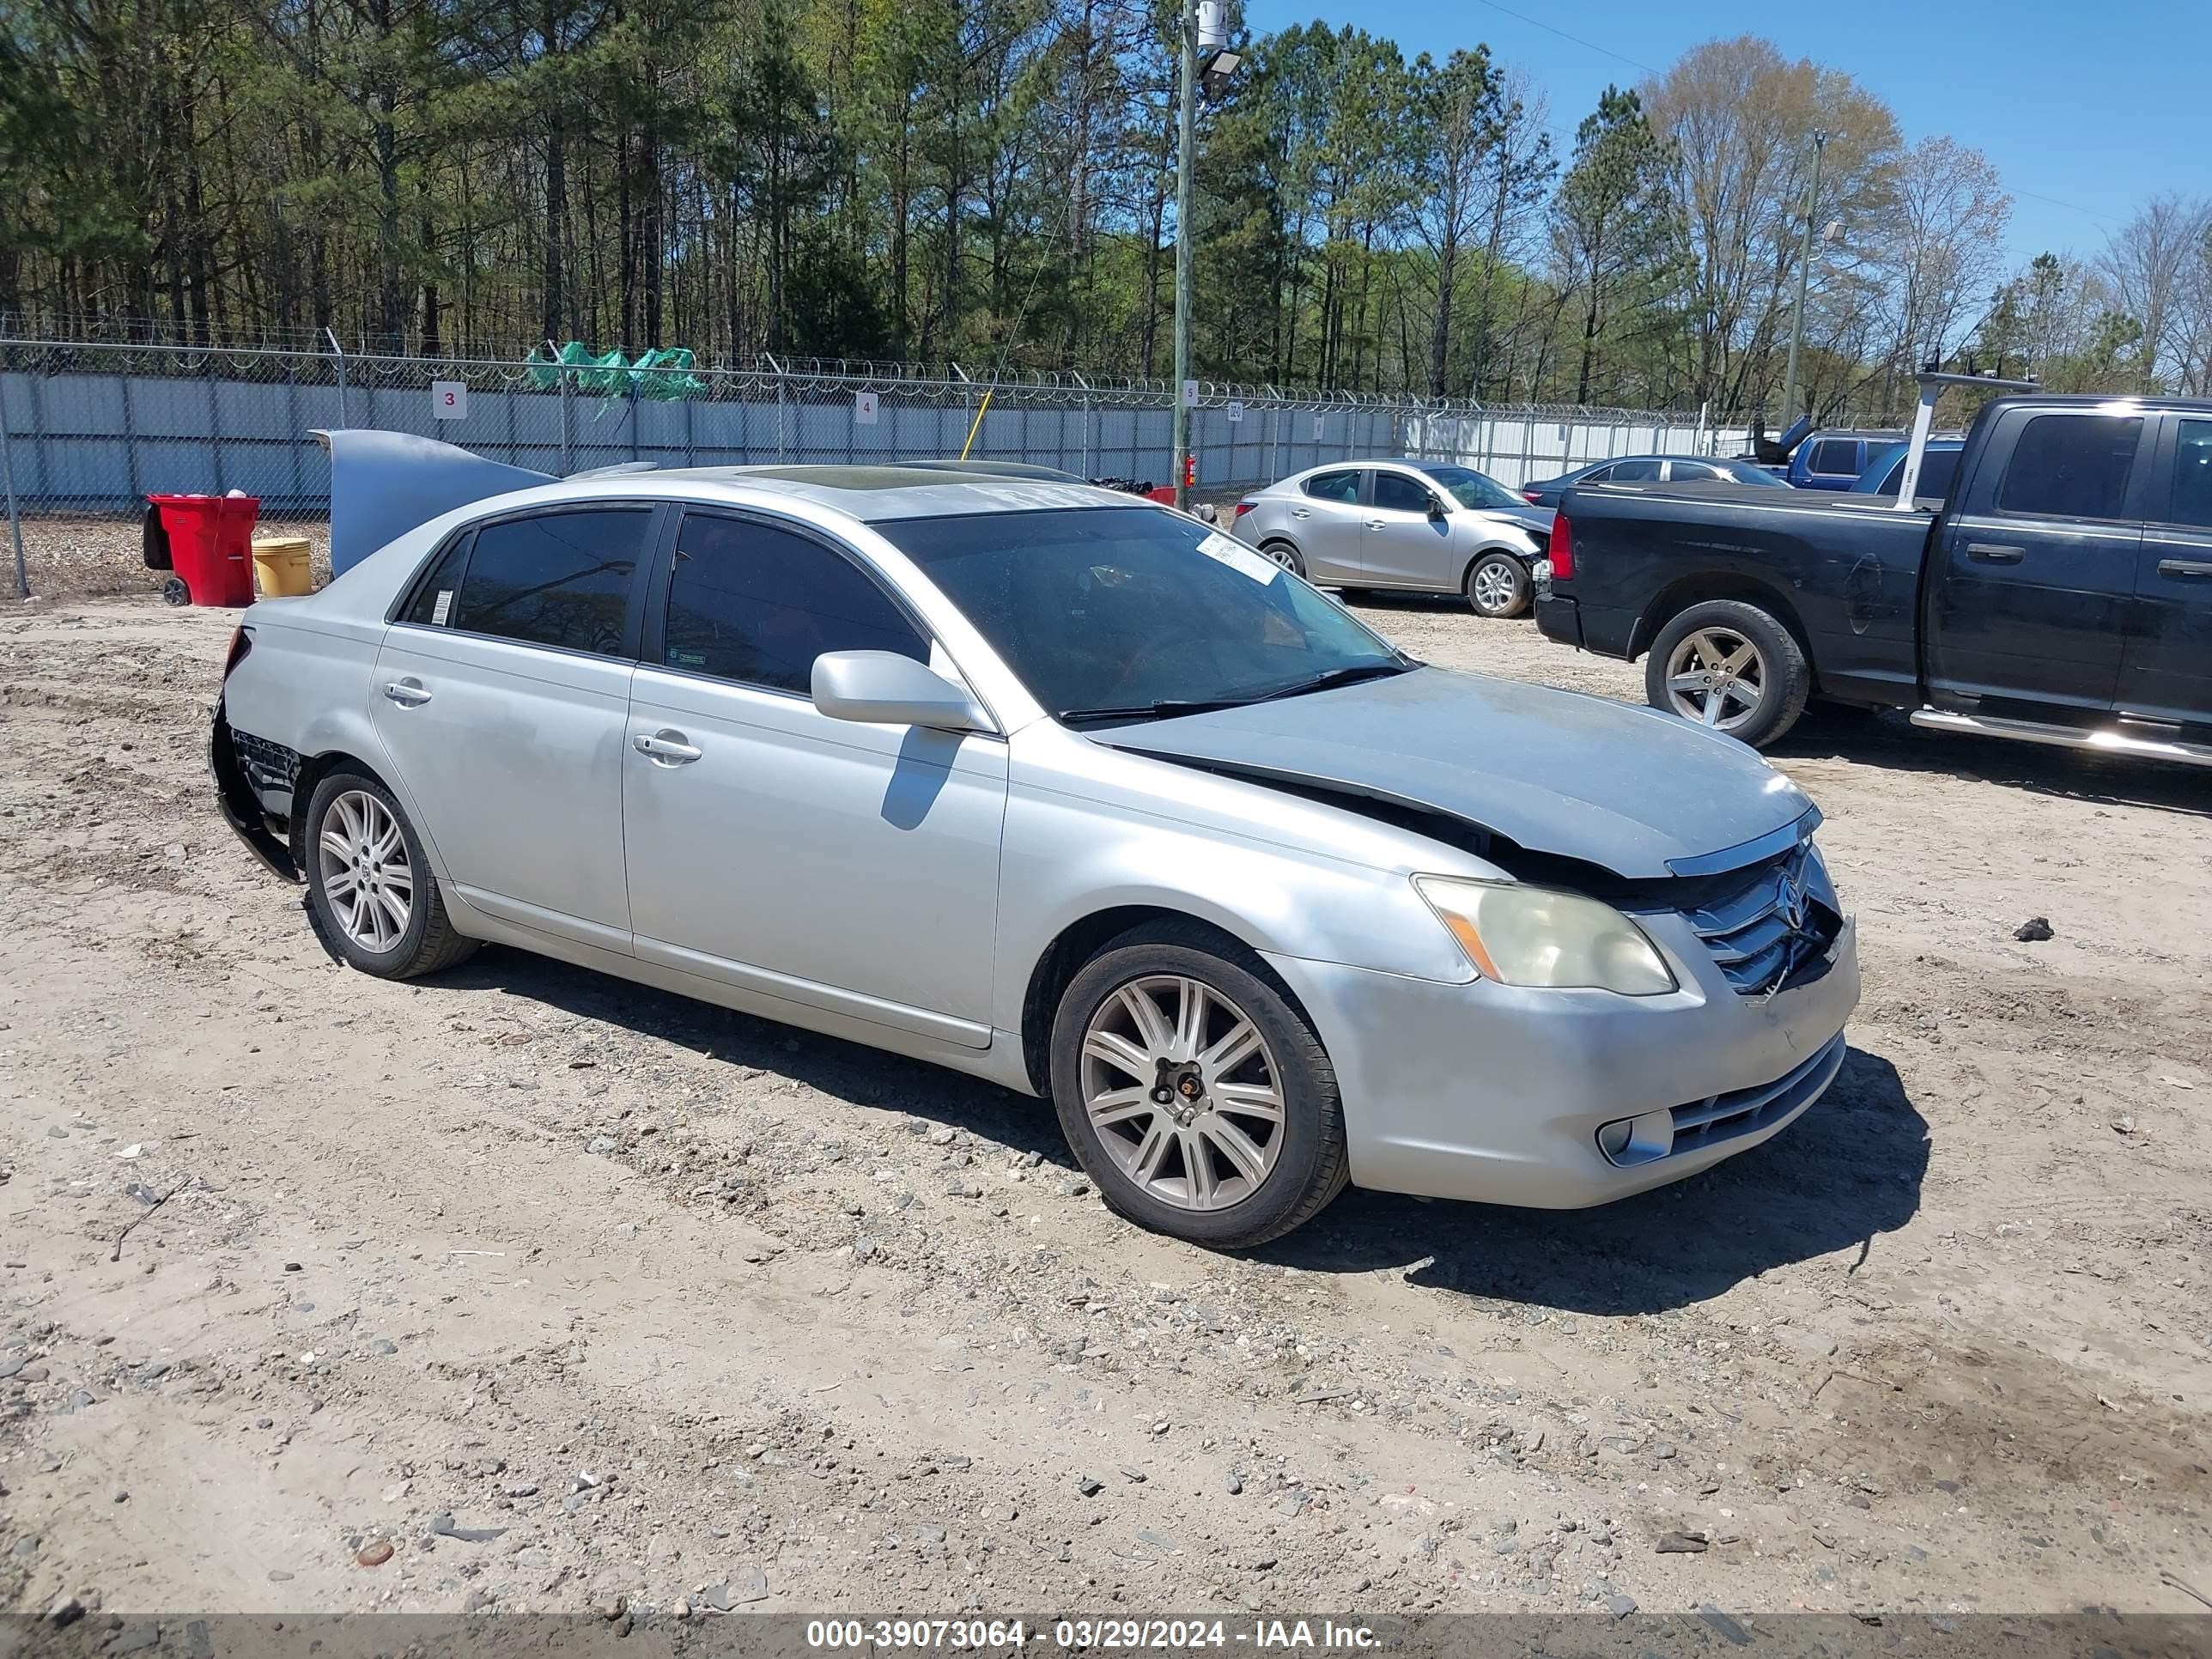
x: 1186, y: 137
x: 1804, y: 266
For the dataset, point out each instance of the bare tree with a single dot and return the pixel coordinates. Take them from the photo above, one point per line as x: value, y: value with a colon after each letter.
x: 2154, y: 263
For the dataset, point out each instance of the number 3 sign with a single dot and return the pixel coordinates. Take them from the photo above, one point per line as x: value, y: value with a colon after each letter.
x: 449, y: 400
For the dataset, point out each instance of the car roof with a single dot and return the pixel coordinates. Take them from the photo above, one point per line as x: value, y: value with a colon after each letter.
x: 875, y: 495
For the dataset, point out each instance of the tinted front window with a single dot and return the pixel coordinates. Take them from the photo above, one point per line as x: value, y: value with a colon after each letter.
x: 2071, y: 466
x: 750, y: 602
x: 1470, y: 487
x: 1835, y: 456
x: 1335, y: 486
x: 562, y: 579
x: 2192, y: 476
x: 1396, y: 493
x: 1124, y: 607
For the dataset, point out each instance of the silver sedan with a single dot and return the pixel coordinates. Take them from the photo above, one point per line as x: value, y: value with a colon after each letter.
x: 1416, y: 526
x: 1062, y: 790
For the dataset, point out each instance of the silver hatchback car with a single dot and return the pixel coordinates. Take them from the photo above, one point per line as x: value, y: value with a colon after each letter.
x: 1063, y: 790
x: 1418, y: 527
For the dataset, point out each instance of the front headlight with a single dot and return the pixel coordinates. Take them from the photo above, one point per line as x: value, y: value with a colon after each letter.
x: 1539, y: 936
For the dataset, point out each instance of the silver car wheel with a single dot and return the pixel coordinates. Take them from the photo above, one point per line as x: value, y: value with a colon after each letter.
x: 1717, y: 678
x: 1279, y: 553
x: 1183, y: 1092
x: 366, y: 875
x: 1493, y: 587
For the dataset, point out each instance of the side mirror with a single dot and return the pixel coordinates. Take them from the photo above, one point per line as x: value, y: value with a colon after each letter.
x: 1436, y: 508
x: 882, y: 688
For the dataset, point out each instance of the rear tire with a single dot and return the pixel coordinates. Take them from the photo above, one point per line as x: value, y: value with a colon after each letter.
x: 1282, y: 553
x: 1251, y: 1094
x: 1733, y: 654
x: 370, y: 883
x: 1498, y: 586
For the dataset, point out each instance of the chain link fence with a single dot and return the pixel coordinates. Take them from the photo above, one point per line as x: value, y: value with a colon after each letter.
x: 88, y: 430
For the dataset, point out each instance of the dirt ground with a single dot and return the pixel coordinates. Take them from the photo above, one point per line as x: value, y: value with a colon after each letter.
x: 525, y: 1288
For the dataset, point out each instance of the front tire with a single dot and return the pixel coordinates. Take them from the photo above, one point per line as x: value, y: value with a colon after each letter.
x: 370, y: 884
x: 1498, y: 586
x: 1732, y: 667
x: 1193, y: 1092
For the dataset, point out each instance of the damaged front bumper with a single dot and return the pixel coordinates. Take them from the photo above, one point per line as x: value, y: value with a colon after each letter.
x: 243, y: 787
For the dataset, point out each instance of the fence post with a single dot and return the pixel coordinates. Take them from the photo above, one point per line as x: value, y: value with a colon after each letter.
x: 8, y: 485
x: 567, y: 421
x: 340, y: 350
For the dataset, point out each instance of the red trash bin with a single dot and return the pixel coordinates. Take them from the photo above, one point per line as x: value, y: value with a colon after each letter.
x: 211, y: 547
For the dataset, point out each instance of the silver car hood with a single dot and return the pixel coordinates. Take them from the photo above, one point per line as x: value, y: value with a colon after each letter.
x: 1639, y: 792
x: 1532, y: 517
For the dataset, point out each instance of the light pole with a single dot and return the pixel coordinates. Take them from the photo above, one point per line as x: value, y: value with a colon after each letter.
x: 1804, y: 265
x: 1187, y: 128
x: 1202, y: 27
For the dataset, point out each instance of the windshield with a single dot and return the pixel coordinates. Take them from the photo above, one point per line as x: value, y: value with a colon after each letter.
x: 1470, y: 487
x: 1120, y: 609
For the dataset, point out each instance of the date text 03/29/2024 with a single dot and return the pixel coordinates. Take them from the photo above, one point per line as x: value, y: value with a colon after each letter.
x: 990, y: 1635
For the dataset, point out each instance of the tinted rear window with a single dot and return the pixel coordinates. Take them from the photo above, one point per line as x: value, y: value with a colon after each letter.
x: 563, y: 579
x: 1834, y: 456
x: 2071, y: 466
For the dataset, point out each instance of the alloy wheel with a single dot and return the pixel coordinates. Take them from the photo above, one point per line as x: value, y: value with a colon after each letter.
x: 1278, y: 553
x: 1183, y: 1092
x: 367, y: 877
x: 1717, y: 678
x: 1494, y: 589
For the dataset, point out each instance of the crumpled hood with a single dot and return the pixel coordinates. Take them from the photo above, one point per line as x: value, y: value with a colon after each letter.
x: 1532, y: 518
x: 1624, y: 787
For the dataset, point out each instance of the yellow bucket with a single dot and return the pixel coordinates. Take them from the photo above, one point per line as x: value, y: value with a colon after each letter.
x: 283, y: 566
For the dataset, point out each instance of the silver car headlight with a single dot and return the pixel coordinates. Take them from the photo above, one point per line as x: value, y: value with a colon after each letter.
x: 1540, y: 936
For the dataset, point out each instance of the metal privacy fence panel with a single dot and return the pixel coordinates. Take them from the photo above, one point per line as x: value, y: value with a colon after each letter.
x: 88, y: 430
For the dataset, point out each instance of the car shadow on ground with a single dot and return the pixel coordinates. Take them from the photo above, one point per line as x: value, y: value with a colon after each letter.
x: 1890, y: 741
x: 1848, y: 1171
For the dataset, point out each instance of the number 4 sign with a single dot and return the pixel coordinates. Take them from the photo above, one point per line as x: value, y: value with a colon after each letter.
x: 863, y: 409
x: 449, y: 400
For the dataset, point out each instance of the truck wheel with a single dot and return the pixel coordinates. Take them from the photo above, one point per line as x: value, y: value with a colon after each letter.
x: 1498, y: 586
x: 1730, y: 667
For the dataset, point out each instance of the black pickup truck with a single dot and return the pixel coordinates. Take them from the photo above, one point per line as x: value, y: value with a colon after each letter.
x: 2062, y: 593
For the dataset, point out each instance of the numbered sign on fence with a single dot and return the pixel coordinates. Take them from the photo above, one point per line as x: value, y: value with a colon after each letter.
x: 1236, y: 413
x: 1317, y: 423
x: 1189, y: 392
x: 449, y: 400
x: 863, y: 409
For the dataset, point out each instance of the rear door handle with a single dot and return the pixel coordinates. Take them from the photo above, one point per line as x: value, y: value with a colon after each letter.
x: 1378, y: 524
x: 1302, y: 512
x: 407, y: 693
x: 2183, y: 568
x: 1995, y: 553
x: 667, y: 747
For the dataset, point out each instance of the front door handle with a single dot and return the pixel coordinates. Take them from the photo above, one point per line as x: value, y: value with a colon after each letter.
x: 2183, y: 568
x: 407, y: 693
x: 1995, y: 553
x: 666, y: 746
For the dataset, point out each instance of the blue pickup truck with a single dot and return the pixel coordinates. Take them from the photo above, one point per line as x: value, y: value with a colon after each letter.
x: 2061, y: 594
x: 1835, y: 460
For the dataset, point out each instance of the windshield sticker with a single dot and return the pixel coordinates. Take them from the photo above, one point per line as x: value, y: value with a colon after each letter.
x: 1239, y: 558
x: 442, y: 609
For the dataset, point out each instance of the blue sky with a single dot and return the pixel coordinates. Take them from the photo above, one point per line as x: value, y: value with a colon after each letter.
x: 2089, y: 104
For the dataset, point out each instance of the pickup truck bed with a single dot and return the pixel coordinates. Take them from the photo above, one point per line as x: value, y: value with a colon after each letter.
x: 1848, y: 565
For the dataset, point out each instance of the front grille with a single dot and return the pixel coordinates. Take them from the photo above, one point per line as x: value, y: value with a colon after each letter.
x: 1742, y: 1111
x: 1772, y: 924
